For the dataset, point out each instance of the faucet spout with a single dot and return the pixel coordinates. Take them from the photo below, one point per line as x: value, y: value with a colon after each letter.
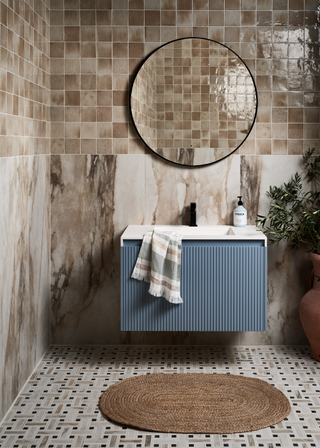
x: 193, y: 215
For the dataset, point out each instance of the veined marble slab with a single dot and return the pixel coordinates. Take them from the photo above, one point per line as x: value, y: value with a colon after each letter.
x: 288, y: 270
x: 14, y: 279
x: 94, y: 198
x: 171, y: 189
x: 39, y: 256
x: 24, y: 270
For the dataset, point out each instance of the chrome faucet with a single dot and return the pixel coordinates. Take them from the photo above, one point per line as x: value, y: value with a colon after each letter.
x: 193, y: 215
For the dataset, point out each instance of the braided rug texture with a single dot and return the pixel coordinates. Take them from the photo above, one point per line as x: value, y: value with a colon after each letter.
x: 195, y: 403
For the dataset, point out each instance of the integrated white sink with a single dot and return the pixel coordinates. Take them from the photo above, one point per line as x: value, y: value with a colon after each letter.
x: 198, y: 231
x: 223, y: 232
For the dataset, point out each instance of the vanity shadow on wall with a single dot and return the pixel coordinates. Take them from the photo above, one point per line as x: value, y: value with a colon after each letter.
x: 193, y: 101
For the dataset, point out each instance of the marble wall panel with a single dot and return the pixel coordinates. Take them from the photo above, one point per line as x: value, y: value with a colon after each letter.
x: 288, y: 270
x: 24, y: 270
x: 93, y: 199
x: 39, y: 256
x: 170, y: 189
x: 14, y: 270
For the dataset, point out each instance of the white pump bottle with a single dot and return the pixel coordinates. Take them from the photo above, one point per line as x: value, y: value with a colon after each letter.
x: 240, y: 215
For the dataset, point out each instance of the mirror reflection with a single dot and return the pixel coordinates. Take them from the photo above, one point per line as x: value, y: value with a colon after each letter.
x: 193, y: 101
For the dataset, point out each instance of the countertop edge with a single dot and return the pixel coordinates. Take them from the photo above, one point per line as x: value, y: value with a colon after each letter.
x: 136, y: 232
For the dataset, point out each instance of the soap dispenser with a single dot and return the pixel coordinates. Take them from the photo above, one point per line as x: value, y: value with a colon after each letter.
x: 240, y: 215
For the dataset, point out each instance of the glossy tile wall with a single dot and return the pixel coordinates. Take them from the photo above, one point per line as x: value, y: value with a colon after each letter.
x: 97, y: 45
x: 24, y: 78
x: 206, y: 96
x: 144, y: 103
x: 24, y: 192
x: 103, y: 178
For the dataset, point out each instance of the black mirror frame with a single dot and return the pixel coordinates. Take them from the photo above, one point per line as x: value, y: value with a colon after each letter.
x: 170, y: 161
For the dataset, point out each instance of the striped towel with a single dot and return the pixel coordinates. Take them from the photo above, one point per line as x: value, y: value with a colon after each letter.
x: 159, y: 262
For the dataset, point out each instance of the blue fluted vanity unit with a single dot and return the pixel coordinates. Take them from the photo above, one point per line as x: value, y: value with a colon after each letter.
x: 223, y: 282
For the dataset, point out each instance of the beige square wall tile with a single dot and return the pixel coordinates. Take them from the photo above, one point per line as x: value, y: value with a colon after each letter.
x: 96, y: 48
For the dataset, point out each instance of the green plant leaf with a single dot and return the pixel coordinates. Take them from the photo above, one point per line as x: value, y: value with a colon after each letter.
x: 294, y: 214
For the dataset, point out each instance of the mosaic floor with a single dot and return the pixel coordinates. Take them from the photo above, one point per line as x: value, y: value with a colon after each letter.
x: 58, y: 407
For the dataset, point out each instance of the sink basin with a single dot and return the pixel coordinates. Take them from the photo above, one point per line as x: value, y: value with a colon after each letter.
x: 198, y: 231
x: 224, y: 232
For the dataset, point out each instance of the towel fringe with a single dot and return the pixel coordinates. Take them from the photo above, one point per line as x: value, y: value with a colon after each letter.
x: 140, y: 277
x: 170, y: 298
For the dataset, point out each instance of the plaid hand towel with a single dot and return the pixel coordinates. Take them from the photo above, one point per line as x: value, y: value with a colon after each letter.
x: 159, y: 262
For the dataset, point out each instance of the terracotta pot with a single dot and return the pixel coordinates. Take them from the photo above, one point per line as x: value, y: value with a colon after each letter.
x: 310, y: 309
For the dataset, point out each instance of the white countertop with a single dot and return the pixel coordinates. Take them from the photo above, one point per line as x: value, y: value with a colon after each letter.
x: 136, y: 232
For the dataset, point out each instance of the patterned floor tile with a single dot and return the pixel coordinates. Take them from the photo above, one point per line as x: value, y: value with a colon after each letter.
x: 58, y: 407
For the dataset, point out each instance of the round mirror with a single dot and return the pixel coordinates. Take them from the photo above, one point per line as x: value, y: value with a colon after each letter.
x: 193, y: 101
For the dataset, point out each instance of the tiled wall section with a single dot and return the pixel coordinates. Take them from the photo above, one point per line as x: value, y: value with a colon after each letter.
x: 24, y: 270
x: 144, y: 103
x: 205, y: 96
x: 24, y: 77
x: 96, y: 46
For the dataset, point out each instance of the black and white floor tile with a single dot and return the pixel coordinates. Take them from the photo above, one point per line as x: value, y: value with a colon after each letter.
x: 58, y: 406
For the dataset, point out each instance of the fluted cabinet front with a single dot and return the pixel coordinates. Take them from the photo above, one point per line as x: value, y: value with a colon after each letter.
x: 223, y: 287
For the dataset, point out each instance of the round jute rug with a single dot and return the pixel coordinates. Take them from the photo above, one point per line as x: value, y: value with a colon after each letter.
x: 194, y: 403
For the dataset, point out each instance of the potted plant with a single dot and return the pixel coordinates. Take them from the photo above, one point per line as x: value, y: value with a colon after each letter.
x: 294, y: 217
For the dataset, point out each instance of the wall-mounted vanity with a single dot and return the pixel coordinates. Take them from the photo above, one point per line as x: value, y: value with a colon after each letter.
x: 223, y: 282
